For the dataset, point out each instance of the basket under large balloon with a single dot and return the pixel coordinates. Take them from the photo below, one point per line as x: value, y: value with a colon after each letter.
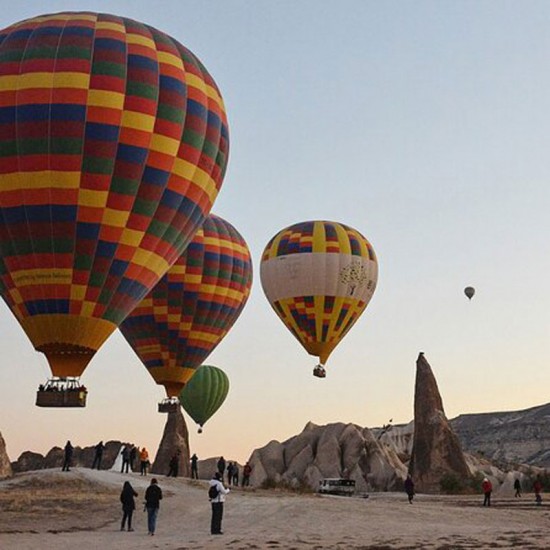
x: 61, y: 392
x: 319, y: 371
x: 169, y: 405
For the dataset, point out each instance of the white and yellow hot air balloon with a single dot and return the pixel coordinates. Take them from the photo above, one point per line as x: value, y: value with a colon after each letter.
x: 319, y: 277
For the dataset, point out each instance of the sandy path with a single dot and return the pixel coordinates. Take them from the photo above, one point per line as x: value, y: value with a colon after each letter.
x: 268, y: 519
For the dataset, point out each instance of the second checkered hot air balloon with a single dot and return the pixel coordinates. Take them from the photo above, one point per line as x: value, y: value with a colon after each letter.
x: 190, y: 310
x: 113, y: 147
x: 319, y: 277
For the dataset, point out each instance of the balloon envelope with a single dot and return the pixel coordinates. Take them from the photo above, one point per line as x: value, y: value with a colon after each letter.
x: 469, y: 291
x: 319, y: 277
x: 205, y: 393
x: 113, y: 146
x: 191, y: 309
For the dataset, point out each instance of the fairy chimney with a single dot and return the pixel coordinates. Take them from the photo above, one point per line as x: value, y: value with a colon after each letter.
x: 436, y: 451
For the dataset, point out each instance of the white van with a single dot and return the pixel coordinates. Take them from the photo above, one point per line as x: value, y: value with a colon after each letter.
x: 337, y: 486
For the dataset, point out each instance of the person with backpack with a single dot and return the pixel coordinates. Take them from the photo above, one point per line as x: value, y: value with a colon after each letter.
x: 216, y: 494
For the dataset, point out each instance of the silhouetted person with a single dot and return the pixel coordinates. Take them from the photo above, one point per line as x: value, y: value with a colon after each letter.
x: 230, y: 473
x: 128, y: 505
x: 133, y: 454
x: 153, y: 496
x: 68, y: 457
x: 125, y: 459
x: 409, y: 488
x: 221, y: 466
x: 174, y: 465
x: 247, y: 470
x: 194, y: 467
x: 98, y: 455
x: 517, y: 487
x: 235, y: 474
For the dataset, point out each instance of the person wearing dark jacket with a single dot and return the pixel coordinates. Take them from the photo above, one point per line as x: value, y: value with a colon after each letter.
x: 128, y: 505
x: 409, y: 488
x: 174, y: 465
x: 194, y: 467
x: 98, y: 455
x: 153, y: 496
x: 68, y: 457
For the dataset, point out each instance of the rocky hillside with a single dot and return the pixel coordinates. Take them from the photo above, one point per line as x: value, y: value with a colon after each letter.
x: 515, y: 437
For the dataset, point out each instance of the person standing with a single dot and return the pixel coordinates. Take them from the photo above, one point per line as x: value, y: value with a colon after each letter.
x: 133, y: 453
x: 98, y: 455
x: 217, y: 503
x: 194, y: 467
x: 153, y: 496
x: 128, y: 505
x: 143, y: 461
x: 409, y: 488
x: 174, y: 464
x: 517, y: 487
x: 68, y: 457
x: 537, y: 487
x: 235, y: 474
x: 487, y: 488
x: 221, y: 466
x: 125, y: 459
x: 247, y: 470
x: 229, y: 473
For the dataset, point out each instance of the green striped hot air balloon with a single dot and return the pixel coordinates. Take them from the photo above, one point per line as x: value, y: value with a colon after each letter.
x: 204, y: 394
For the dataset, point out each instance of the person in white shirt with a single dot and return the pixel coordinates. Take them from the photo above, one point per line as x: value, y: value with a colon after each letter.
x: 217, y: 503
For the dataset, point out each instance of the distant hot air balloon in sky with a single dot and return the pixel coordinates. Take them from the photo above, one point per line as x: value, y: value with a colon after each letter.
x: 180, y: 322
x: 113, y: 147
x: 469, y: 291
x: 204, y: 394
x: 319, y: 277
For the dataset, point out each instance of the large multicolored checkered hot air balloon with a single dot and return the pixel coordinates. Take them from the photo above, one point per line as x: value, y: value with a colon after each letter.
x: 204, y: 394
x: 113, y: 147
x: 186, y: 315
x: 319, y: 277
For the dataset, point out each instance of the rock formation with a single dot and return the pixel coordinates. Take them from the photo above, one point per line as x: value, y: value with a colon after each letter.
x: 514, y: 437
x: 335, y: 450
x: 82, y: 457
x: 5, y: 465
x: 436, y: 451
x: 175, y: 439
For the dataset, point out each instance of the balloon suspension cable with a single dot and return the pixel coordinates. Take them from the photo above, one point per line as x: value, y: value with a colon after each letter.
x: 319, y: 371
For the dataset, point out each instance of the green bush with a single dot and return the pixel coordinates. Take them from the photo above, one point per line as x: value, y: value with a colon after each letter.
x: 451, y: 484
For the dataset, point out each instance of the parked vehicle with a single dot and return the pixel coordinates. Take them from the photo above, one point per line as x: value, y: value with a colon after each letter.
x: 337, y: 486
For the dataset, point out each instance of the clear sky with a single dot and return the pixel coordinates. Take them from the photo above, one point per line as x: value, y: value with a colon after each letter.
x: 424, y: 125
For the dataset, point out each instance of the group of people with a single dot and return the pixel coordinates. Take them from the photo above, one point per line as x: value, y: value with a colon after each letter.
x: 129, y: 454
x: 153, y: 496
x: 232, y: 472
x: 487, y: 489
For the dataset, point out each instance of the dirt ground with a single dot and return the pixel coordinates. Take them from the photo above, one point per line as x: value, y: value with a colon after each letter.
x: 80, y: 509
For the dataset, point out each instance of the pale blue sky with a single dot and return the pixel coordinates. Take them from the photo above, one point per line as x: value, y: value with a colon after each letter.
x: 425, y: 126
